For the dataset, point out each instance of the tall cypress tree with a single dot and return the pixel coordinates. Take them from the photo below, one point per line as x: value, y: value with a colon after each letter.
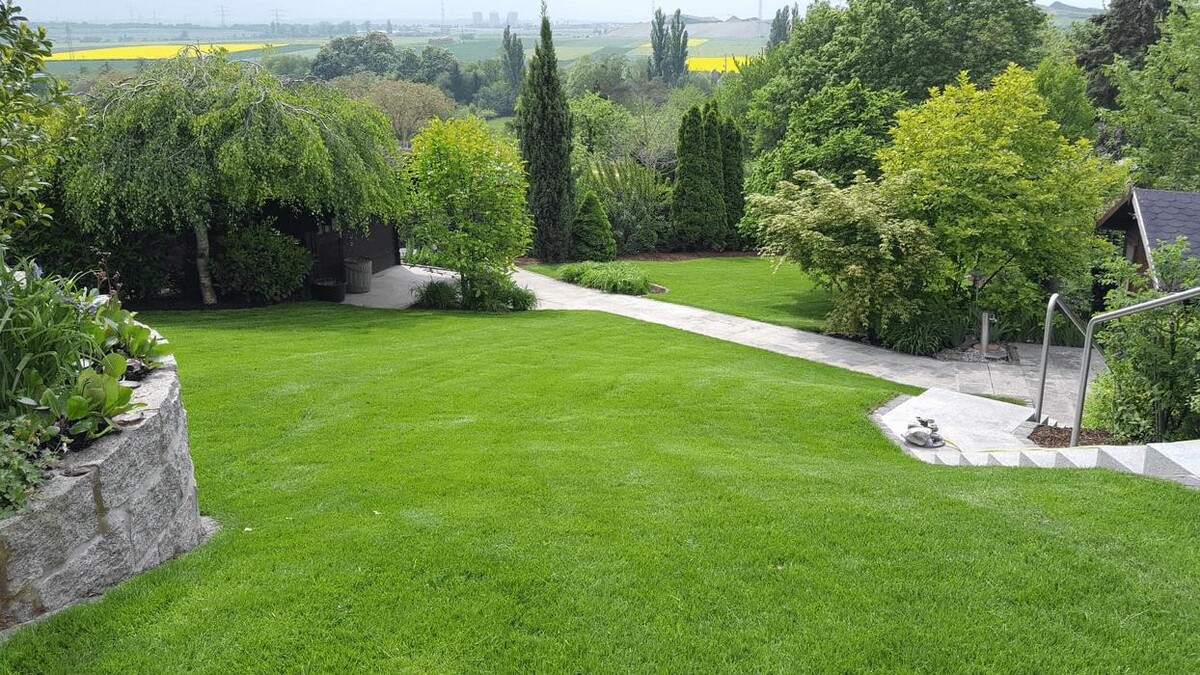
x: 716, y: 230
x: 693, y: 200
x: 544, y: 127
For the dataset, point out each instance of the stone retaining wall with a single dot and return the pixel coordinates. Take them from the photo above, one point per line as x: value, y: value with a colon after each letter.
x: 125, y: 504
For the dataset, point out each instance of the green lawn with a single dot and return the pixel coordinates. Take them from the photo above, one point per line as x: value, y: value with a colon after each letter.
x: 554, y: 491
x: 743, y: 286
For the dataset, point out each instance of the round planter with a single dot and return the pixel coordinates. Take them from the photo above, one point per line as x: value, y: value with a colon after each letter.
x: 329, y: 290
x: 358, y: 274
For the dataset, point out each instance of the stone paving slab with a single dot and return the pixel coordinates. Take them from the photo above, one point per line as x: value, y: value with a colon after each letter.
x: 967, y: 423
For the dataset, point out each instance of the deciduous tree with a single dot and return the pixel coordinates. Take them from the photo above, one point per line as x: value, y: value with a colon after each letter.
x: 1159, y: 105
x: 1009, y: 199
x: 32, y: 101
x: 469, y: 200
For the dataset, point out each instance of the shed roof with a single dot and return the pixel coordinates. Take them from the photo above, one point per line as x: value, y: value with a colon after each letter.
x: 1165, y: 215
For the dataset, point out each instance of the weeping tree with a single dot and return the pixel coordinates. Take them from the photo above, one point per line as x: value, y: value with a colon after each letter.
x: 199, y: 140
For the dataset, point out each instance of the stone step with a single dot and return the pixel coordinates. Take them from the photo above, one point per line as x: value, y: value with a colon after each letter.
x: 1044, y: 459
x: 1171, y: 460
x: 1049, y: 421
x: 1129, y: 459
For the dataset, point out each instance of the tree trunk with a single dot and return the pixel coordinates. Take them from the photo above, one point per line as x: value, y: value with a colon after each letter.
x: 207, y: 294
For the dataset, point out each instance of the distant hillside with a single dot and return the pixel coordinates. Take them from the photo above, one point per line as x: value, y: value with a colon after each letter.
x: 1064, y: 15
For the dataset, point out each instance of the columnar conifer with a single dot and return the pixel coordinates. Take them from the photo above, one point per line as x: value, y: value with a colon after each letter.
x: 544, y: 126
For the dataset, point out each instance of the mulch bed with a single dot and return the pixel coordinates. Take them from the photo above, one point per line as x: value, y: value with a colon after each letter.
x: 1060, y: 437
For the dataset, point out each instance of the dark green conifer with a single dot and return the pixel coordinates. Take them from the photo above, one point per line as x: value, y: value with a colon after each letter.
x: 735, y: 202
x: 716, y: 231
x: 593, y: 236
x: 694, y: 203
x: 544, y: 126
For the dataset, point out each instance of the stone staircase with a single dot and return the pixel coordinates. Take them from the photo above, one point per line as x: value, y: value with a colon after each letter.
x: 984, y: 432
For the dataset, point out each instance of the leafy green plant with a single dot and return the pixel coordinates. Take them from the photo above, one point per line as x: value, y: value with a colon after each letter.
x: 612, y: 277
x: 26, y: 445
x: 261, y: 263
x: 43, y: 330
x: 438, y: 294
x: 63, y: 352
x: 117, y: 330
x: 1151, y: 388
x: 498, y: 294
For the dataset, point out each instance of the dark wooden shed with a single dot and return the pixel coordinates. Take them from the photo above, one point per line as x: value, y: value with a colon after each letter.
x: 330, y: 247
x: 1145, y: 218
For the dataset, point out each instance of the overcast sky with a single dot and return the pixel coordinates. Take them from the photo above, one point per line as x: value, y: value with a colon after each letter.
x: 261, y: 11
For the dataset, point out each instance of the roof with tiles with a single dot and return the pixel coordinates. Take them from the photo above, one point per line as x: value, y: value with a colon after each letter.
x: 1166, y: 215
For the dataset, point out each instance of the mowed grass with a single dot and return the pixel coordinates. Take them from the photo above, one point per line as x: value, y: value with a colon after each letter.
x: 746, y: 286
x: 551, y: 491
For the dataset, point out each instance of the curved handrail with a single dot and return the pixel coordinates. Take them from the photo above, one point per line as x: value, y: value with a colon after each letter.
x: 1055, y: 302
x: 1090, y: 333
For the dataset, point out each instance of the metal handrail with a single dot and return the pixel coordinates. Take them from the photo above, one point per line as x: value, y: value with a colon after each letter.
x: 1090, y: 332
x: 1055, y: 302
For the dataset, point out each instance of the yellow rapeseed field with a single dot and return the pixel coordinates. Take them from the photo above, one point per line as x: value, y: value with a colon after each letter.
x: 721, y: 64
x: 148, y: 52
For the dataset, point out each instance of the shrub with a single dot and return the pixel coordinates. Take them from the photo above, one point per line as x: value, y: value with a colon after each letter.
x: 260, y: 263
x: 856, y: 242
x: 498, y: 294
x: 613, y: 277
x: 927, y: 332
x: 634, y: 198
x: 488, y: 294
x: 592, y: 238
x: 438, y: 294
x: 1151, y: 388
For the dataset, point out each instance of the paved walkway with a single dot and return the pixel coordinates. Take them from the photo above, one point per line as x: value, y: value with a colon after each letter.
x: 393, y: 289
x: 996, y: 379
